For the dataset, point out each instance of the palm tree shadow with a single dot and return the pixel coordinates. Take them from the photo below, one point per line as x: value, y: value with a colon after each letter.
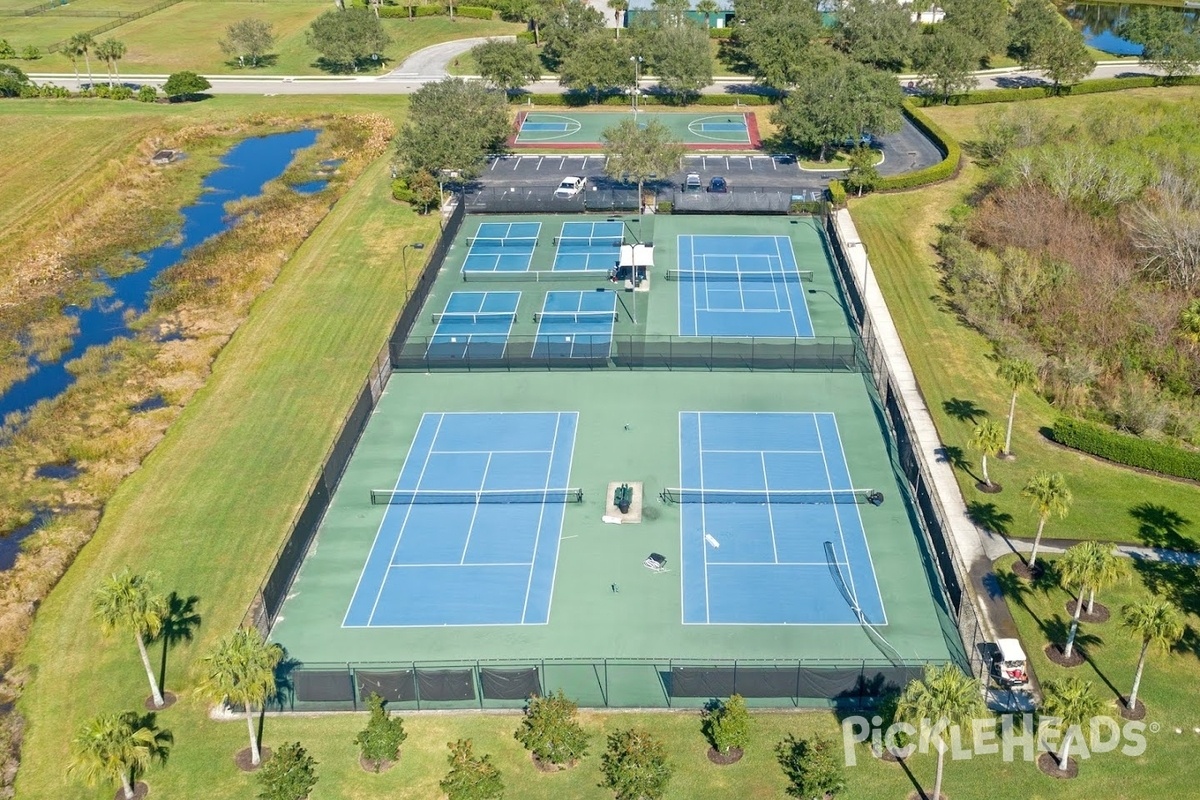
x: 989, y: 517
x: 964, y: 410
x: 1159, y: 526
x: 1010, y: 586
x: 1189, y: 642
x: 954, y: 456
x: 179, y: 626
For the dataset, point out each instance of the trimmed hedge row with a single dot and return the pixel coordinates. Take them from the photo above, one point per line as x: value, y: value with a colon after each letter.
x: 402, y: 12
x: 1124, y: 449
x: 576, y: 99
x: 1097, y: 86
x: 720, y: 33
x: 938, y: 172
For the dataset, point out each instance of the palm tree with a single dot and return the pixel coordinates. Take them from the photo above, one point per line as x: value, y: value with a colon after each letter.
x: 1158, y: 623
x: 1049, y: 495
x: 1083, y: 565
x: 241, y: 671
x: 708, y: 8
x: 111, y: 51
x: 1189, y: 322
x: 618, y: 7
x: 531, y: 12
x: 1071, y: 701
x: 1111, y: 569
x: 116, y: 747
x: 945, y: 695
x: 1017, y: 373
x: 83, y: 44
x: 133, y: 603
x: 987, y: 439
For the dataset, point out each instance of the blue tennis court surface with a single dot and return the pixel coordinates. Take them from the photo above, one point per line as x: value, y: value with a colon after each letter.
x: 502, y: 247
x: 467, y: 562
x: 740, y: 286
x: 589, y: 246
x: 769, y: 563
x: 474, y: 325
x: 576, y: 325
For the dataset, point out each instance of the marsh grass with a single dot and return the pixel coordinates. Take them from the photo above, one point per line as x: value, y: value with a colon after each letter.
x: 205, y: 297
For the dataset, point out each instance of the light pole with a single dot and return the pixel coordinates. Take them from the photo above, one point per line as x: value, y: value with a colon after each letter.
x: 404, y: 263
x: 637, y: 64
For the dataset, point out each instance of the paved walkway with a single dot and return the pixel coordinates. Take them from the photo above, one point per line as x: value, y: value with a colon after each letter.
x: 998, y: 546
x: 433, y: 62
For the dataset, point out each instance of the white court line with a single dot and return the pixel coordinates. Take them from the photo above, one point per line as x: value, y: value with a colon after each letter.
x: 537, y: 537
x: 489, y: 452
x: 837, y: 515
x: 786, y: 292
x: 790, y: 452
x: 471, y: 527
x: 770, y: 514
x: 703, y: 515
x: 407, y: 512
x: 861, y: 525
x: 558, y: 544
x: 776, y: 564
x: 472, y: 564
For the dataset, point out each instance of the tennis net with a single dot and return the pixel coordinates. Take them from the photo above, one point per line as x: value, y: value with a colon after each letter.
x: 537, y: 275
x: 404, y: 497
x: 527, y: 242
x: 763, y: 496
x: 473, y: 317
x: 590, y: 242
x: 576, y: 316
x: 766, y: 276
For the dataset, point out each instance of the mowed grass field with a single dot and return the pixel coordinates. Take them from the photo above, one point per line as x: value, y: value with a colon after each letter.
x: 153, y: 40
x: 954, y: 366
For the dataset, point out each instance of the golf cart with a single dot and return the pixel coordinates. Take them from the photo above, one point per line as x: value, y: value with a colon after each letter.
x: 1008, y: 666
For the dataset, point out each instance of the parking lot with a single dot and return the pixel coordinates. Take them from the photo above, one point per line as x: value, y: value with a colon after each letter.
x: 904, y: 151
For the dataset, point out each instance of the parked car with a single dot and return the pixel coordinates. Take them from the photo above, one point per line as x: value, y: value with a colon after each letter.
x: 570, y: 187
x: 692, y: 182
x: 718, y: 185
x: 862, y: 140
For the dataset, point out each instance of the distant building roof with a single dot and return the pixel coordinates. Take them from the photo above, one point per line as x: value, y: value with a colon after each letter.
x: 646, y: 5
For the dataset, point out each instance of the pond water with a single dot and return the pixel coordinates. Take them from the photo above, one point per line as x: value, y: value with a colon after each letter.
x: 244, y: 170
x: 1100, y: 21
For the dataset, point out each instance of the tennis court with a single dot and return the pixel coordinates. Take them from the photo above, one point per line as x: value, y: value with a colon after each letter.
x: 772, y: 524
x: 589, y: 245
x: 502, y: 247
x: 471, y: 533
x: 741, y: 286
x: 729, y: 130
x: 474, y: 325
x: 576, y: 325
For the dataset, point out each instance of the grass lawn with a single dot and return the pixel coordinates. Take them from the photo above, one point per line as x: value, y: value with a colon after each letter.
x: 153, y: 40
x: 957, y: 374
x: 1168, y: 685
x: 836, y: 159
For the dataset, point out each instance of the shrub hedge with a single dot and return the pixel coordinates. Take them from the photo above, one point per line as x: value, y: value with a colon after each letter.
x: 473, y: 12
x: 837, y: 193
x: 1125, y: 449
x: 1039, y: 92
x: 576, y: 99
x: 720, y: 33
x: 938, y: 172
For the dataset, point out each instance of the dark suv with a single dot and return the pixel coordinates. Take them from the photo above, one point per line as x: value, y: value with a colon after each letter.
x: 718, y: 185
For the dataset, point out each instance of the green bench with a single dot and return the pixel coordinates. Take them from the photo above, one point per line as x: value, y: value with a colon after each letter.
x: 623, y: 497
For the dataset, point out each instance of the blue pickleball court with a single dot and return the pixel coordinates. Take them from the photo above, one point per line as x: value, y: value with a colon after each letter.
x: 576, y: 325
x: 754, y: 558
x: 502, y: 247
x: 474, y: 325
x: 741, y: 286
x: 465, y: 539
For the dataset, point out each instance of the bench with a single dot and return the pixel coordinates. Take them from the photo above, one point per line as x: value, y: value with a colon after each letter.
x: 623, y: 497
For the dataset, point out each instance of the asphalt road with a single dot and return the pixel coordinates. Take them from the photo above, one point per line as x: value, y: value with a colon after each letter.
x: 396, y: 83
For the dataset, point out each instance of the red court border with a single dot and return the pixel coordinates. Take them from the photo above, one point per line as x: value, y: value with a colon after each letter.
x: 543, y: 147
